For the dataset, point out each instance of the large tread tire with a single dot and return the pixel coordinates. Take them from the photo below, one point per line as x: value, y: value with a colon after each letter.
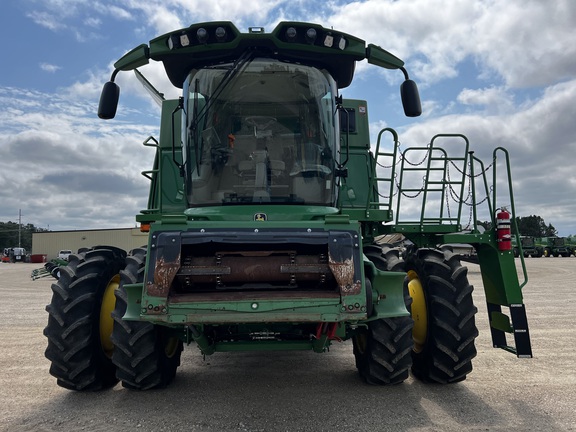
x: 146, y: 355
x: 382, y: 350
x: 79, y: 360
x: 447, y: 352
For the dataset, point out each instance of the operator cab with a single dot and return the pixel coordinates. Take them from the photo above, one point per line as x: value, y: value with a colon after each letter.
x: 260, y: 130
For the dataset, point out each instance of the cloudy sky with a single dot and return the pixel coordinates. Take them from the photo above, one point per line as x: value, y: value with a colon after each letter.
x: 503, y: 72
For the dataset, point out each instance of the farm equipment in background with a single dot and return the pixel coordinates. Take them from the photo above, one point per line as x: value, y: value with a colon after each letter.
x: 51, y: 268
x: 266, y: 209
x: 14, y: 255
x: 571, y: 243
x: 527, y: 247
x: 555, y: 246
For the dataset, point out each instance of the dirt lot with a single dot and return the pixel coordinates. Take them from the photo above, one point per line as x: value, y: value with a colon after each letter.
x: 302, y: 391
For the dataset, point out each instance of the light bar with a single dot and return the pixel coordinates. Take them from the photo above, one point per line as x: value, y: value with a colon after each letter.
x: 196, y: 35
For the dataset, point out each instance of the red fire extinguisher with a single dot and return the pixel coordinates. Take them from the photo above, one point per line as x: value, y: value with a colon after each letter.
x: 503, y: 230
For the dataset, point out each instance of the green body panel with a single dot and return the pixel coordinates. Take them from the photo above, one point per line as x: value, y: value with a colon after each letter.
x: 258, y: 307
x: 166, y: 194
x: 501, y: 281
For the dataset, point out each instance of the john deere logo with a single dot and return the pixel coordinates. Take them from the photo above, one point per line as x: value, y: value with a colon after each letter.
x: 260, y: 217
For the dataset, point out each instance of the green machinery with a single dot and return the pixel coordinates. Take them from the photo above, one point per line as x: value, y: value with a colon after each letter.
x: 266, y: 208
x: 51, y: 268
x: 555, y: 246
x: 527, y: 247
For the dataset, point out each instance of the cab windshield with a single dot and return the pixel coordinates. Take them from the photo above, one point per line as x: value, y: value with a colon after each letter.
x: 257, y: 131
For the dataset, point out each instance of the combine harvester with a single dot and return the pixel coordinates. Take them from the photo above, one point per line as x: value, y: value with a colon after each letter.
x: 266, y: 198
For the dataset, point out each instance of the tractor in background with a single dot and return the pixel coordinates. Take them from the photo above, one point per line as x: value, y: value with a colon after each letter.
x: 266, y: 201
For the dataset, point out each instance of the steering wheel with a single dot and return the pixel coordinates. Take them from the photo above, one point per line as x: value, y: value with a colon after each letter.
x: 260, y: 122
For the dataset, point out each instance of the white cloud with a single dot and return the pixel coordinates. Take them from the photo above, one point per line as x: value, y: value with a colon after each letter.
x: 65, y: 162
x: 47, y: 67
x: 47, y: 20
x: 493, y: 99
x: 526, y: 43
x: 93, y: 22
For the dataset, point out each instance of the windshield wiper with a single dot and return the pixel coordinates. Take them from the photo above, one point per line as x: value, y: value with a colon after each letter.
x: 238, y: 65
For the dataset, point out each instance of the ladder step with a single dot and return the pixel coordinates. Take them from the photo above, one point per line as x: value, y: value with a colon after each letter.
x: 517, y: 324
x: 521, y: 333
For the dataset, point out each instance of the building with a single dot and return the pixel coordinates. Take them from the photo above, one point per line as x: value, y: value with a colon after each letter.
x: 50, y: 242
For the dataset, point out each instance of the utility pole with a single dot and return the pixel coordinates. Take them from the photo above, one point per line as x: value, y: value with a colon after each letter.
x: 19, y: 225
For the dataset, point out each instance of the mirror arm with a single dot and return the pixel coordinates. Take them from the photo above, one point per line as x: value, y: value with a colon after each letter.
x: 405, y: 72
x: 113, y: 77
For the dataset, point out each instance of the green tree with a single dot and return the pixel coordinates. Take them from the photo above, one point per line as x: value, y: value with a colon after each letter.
x: 10, y: 231
x: 534, y: 226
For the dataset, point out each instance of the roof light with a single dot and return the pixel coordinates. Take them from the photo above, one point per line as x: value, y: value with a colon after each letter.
x: 291, y: 34
x: 184, y: 41
x: 256, y: 30
x: 342, y: 43
x: 329, y: 41
x: 221, y: 34
x: 202, y: 35
x: 173, y: 42
x: 311, y: 35
x: 176, y: 41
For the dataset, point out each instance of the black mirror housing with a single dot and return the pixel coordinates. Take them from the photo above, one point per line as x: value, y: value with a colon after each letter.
x: 410, y: 98
x: 109, y: 101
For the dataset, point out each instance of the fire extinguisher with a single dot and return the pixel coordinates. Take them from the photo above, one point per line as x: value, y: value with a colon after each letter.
x: 503, y: 230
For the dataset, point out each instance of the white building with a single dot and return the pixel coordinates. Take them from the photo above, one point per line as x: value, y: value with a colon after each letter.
x: 49, y: 243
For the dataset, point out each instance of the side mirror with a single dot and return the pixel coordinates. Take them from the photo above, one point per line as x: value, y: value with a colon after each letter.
x: 109, y: 101
x: 410, y: 98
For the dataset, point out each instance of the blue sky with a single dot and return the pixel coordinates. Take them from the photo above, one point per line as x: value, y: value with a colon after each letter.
x: 503, y: 72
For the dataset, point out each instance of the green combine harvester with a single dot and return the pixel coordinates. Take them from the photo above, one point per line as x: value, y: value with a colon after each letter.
x: 527, y: 247
x: 555, y: 247
x: 267, y: 211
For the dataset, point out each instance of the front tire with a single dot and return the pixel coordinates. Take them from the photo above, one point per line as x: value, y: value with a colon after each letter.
x: 443, y: 311
x: 382, y: 350
x: 78, y: 346
x: 146, y: 355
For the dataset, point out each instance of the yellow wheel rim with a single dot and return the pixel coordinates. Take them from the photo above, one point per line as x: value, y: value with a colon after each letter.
x: 361, y: 342
x: 419, y: 313
x: 171, y: 347
x: 106, y: 320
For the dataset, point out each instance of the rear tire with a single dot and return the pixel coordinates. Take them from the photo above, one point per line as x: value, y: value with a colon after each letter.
x: 444, y: 341
x: 80, y: 355
x: 146, y: 355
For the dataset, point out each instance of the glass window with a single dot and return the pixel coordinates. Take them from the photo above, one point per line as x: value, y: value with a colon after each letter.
x: 260, y: 131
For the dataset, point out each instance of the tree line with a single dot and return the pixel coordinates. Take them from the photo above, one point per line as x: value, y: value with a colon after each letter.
x: 534, y: 226
x: 9, y: 232
x: 530, y: 226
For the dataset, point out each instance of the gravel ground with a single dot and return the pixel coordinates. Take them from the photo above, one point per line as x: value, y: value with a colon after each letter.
x: 302, y: 391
